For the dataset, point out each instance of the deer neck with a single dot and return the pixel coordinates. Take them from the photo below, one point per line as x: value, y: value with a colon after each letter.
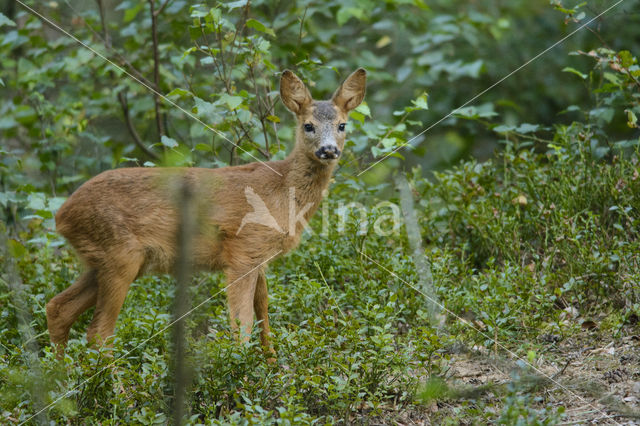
x: 309, y: 177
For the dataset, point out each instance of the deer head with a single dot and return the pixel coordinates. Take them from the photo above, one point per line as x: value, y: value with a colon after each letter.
x: 321, y: 125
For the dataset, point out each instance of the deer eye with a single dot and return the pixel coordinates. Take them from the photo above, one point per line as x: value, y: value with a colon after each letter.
x: 341, y: 126
x: 308, y: 127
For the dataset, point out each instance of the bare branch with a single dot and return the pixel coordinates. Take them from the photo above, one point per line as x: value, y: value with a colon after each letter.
x: 232, y: 156
x: 105, y: 33
x: 122, y: 97
x: 161, y: 8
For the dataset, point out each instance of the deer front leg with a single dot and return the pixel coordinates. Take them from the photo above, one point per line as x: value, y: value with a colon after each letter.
x: 261, y: 306
x: 241, y: 288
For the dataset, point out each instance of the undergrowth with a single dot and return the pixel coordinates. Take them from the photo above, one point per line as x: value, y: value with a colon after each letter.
x: 513, y: 243
x: 541, y: 240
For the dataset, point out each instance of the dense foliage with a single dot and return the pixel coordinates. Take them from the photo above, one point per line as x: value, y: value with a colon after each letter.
x: 537, y: 239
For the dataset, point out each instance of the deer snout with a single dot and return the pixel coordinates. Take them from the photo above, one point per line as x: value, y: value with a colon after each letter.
x: 328, y: 152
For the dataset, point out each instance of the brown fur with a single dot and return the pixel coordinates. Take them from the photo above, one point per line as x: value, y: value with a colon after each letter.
x: 123, y: 223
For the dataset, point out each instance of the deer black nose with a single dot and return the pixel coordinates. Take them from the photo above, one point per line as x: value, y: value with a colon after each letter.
x: 328, y: 152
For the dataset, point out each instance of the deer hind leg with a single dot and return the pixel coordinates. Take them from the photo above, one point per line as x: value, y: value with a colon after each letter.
x: 261, y: 307
x: 65, y: 308
x: 114, y: 280
x: 241, y: 288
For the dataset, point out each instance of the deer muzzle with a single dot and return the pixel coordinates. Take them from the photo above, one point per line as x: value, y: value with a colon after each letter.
x: 328, y: 152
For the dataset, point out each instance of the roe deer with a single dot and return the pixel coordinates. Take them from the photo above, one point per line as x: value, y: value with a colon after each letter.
x: 123, y: 223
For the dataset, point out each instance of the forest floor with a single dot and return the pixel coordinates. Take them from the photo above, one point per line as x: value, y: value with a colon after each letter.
x: 594, y: 377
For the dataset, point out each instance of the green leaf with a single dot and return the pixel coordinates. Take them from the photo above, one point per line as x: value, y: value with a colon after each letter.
x: 467, y: 112
x: 215, y: 14
x: 259, y: 26
x: 398, y: 155
x: 37, y: 201
x: 235, y: 4
x: 345, y: 13
x: 196, y: 12
x: 16, y: 249
x: 363, y: 108
x: 574, y: 71
x: 244, y: 115
x: 503, y: 129
x: 388, y: 142
x: 54, y: 203
x: 626, y: 58
x: 527, y: 128
x: 168, y: 142
x: 203, y: 147
x: 131, y: 13
x: 472, y: 112
x: 459, y: 69
x: 273, y: 118
x: 268, y: 64
x: 188, y: 52
x: 632, y: 120
x: 205, y: 110
x: 357, y: 116
x: 605, y: 114
x: 7, y: 197
x: 232, y: 101
x: 179, y: 92
x: 613, y: 78
x: 421, y: 101
x: 627, y: 143
x: 6, y: 21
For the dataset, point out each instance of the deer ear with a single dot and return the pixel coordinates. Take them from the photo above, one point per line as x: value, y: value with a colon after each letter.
x: 294, y: 93
x: 351, y: 92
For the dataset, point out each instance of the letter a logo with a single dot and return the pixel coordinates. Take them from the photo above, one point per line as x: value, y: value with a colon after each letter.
x: 260, y: 214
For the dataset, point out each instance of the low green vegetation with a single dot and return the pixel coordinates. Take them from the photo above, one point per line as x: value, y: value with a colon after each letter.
x: 513, y: 242
x: 532, y: 247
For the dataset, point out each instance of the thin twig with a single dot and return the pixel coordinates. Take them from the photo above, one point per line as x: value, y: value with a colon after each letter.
x: 218, y: 64
x: 222, y: 61
x: 559, y: 373
x: 261, y: 114
x: 270, y: 109
x: 245, y: 134
x: 304, y: 14
x: 243, y: 26
x: 123, y: 61
x: 156, y: 66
